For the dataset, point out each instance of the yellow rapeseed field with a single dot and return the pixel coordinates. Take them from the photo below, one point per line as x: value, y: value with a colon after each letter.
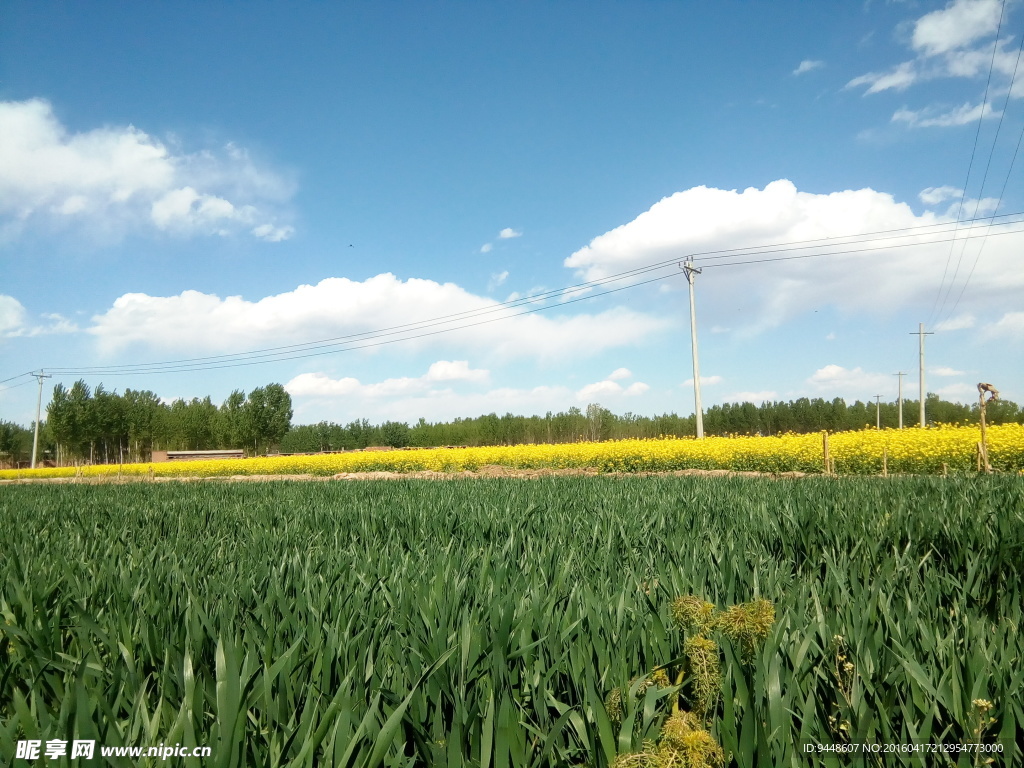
x: 914, y: 450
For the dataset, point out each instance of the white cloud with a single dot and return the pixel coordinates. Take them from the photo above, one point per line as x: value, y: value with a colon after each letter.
x: 704, y: 219
x: 945, y: 370
x: 15, y: 321
x: 936, y: 195
x: 956, y: 41
x: 13, y: 316
x: 705, y: 381
x: 807, y: 65
x: 1010, y: 326
x: 338, y: 307
x: 456, y: 370
x: 599, y: 389
x: 853, y: 383
x: 610, y: 389
x: 958, y: 25
x: 117, y: 178
x: 899, y: 78
x: 486, y: 248
x: 926, y: 118
x: 508, y: 233
x: 619, y: 374
x: 831, y: 336
x: 273, y: 234
x: 320, y: 385
x: 960, y: 322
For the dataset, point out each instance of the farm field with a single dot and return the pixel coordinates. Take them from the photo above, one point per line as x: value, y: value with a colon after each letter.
x: 503, y: 623
x: 915, y: 451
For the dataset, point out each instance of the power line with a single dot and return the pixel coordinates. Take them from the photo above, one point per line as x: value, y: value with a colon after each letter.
x: 4, y: 381
x: 15, y: 386
x: 822, y: 242
x: 1006, y: 181
x: 373, y: 339
x: 859, y: 250
x: 274, y: 352
x: 970, y: 166
x: 111, y: 371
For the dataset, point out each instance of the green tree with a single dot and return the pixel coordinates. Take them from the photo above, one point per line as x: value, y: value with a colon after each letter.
x: 395, y: 433
x: 268, y: 416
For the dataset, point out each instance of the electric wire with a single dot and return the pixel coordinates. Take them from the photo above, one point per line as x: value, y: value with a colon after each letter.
x: 27, y: 373
x: 76, y: 372
x: 277, y: 352
x: 380, y: 339
x: 1006, y: 181
x: 970, y: 165
x: 14, y: 386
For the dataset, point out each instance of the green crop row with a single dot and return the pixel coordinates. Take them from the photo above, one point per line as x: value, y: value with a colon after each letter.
x: 486, y: 623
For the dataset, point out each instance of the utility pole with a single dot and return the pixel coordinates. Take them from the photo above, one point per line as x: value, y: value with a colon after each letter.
x: 901, y: 374
x: 921, y: 334
x: 39, y: 407
x: 697, y: 409
x: 878, y: 411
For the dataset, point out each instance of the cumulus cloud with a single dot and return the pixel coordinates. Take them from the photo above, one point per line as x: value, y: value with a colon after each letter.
x: 339, y: 307
x: 508, y: 233
x: 610, y: 389
x: 486, y: 248
x: 807, y: 65
x: 12, y: 316
x: 945, y: 370
x: 455, y: 370
x: 113, y: 179
x: 321, y: 385
x: 704, y: 219
x: 850, y: 383
x: 619, y: 374
x: 15, y: 321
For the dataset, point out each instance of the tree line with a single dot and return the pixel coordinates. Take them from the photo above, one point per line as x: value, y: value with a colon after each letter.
x: 598, y: 423
x: 100, y: 426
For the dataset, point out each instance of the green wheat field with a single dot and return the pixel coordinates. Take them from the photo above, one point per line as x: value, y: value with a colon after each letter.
x: 513, y: 622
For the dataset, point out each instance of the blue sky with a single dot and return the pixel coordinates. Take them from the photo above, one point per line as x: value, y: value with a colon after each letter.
x: 186, y: 180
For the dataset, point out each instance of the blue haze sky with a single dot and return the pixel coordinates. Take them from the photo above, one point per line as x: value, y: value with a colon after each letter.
x: 185, y: 180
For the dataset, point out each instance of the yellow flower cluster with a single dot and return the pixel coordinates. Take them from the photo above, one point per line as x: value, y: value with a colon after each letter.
x: 916, y: 450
